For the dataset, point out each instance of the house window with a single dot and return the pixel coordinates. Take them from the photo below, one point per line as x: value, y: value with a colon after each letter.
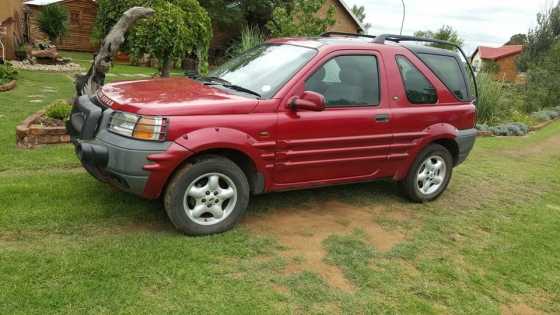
x: 418, y: 89
x: 347, y: 81
x: 75, y: 17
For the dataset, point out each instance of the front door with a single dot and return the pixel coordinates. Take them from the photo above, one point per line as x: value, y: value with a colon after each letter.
x: 350, y: 139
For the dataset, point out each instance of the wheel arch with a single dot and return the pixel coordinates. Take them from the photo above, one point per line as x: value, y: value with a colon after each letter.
x: 442, y: 134
x: 233, y: 144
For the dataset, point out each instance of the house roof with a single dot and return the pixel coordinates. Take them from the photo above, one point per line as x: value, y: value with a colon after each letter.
x: 494, y: 53
x: 347, y: 8
x: 43, y: 2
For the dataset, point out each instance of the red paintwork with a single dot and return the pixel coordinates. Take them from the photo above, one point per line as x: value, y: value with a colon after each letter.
x: 304, y: 148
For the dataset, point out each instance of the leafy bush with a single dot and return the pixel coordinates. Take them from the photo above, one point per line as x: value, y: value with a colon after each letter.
x: 490, y: 94
x: 183, y: 28
x: 251, y: 37
x: 543, y: 86
x: 446, y: 33
x: 300, y: 19
x: 546, y: 115
x: 59, y: 109
x: 7, y: 73
x: 509, y: 129
x: 53, y: 21
x: 490, y: 66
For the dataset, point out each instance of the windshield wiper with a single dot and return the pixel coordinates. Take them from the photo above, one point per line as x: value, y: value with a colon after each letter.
x: 228, y: 85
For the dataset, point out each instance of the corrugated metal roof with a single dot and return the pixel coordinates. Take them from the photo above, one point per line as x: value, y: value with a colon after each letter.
x: 493, y: 53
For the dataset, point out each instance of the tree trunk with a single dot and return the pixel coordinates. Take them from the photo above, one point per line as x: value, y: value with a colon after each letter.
x: 166, y: 67
x: 95, y: 78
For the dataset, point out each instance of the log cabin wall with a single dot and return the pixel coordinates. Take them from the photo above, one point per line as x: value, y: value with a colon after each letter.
x: 81, y: 15
x: 11, y: 18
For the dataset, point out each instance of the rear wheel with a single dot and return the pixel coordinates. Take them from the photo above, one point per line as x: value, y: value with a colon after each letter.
x: 429, y: 175
x: 207, y: 197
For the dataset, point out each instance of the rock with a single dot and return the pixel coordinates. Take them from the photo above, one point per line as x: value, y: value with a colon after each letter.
x: 49, y: 53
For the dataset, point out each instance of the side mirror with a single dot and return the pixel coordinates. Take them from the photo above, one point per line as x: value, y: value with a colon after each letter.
x: 308, y: 101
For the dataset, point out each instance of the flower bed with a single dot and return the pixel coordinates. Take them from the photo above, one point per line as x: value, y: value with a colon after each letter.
x: 540, y: 119
x: 38, y: 130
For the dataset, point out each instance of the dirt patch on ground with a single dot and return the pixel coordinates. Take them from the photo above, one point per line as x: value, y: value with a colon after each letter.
x: 548, y: 146
x: 302, y: 230
x: 518, y: 309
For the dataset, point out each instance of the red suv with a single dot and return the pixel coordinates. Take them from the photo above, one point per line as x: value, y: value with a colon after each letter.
x: 294, y: 113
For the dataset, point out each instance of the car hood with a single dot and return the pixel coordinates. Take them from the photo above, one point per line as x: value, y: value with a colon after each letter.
x: 173, y: 97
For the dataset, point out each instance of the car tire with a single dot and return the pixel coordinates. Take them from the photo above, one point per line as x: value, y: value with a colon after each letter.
x: 206, y: 197
x: 429, y: 175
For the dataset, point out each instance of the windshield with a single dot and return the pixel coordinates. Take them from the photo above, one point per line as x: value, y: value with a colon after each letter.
x: 264, y: 69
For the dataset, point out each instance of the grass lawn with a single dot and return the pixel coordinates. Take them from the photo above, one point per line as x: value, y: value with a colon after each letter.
x: 69, y: 244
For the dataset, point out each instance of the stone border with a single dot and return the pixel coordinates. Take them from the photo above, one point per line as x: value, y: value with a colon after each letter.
x: 542, y: 125
x: 62, y: 68
x: 8, y: 86
x: 31, y: 135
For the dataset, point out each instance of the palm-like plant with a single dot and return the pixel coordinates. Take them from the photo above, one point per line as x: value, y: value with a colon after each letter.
x: 53, y: 21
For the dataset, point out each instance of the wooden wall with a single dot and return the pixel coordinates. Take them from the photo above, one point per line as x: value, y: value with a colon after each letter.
x: 11, y: 16
x: 344, y: 22
x: 508, y: 68
x: 80, y: 25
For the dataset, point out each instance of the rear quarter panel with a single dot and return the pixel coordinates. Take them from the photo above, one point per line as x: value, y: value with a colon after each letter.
x: 416, y: 126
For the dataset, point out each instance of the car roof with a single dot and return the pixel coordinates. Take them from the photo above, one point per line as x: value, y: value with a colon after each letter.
x: 357, y: 42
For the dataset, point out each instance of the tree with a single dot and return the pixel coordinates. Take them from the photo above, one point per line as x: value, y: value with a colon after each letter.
x: 177, y: 29
x: 541, y: 39
x: 360, y: 13
x: 446, y: 33
x: 518, y: 39
x: 240, y: 13
x: 301, y: 19
x: 53, y: 21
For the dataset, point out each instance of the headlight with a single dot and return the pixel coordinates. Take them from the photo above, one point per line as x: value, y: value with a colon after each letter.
x: 138, y: 127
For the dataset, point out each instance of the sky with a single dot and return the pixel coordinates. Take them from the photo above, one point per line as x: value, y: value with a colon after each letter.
x: 479, y: 22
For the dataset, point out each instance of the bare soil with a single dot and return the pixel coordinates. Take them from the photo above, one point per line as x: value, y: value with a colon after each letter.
x: 518, y: 309
x: 302, y: 230
x: 50, y: 122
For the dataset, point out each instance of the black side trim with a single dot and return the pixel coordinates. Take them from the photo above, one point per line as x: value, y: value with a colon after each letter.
x: 259, y: 184
x: 465, y: 141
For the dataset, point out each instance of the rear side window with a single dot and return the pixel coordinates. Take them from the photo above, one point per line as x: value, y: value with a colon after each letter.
x: 418, y: 89
x: 347, y: 81
x: 449, y: 72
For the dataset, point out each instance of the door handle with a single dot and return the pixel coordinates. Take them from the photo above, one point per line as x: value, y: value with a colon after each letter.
x: 382, y: 118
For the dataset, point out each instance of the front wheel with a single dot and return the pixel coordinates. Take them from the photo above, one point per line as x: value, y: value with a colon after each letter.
x: 429, y: 175
x: 207, y: 197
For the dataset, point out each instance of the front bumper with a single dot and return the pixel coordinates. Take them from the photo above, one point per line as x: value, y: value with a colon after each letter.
x: 465, y: 141
x: 136, y: 166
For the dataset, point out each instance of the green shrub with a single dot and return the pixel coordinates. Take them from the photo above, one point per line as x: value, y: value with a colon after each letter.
x: 251, y: 37
x: 59, y: 109
x: 7, y: 73
x: 546, y: 115
x: 53, y: 21
x: 543, y: 85
x: 490, y: 94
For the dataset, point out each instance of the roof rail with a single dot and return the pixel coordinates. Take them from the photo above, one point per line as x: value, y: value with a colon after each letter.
x: 329, y: 34
x: 403, y: 38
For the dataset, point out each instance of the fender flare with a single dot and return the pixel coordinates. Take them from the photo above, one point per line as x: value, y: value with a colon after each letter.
x: 433, y: 133
x: 205, y: 139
